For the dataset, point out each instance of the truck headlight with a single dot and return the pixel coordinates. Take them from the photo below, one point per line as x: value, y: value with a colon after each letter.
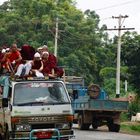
x: 23, y: 127
x: 63, y: 126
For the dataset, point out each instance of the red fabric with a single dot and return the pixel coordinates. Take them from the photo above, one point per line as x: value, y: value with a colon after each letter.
x: 59, y: 71
x: 52, y: 59
x: 27, y: 52
x: 36, y: 64
x: 47, y: 68
x: 1, y: 56
x: 13, y: 56
x: 10, y: 57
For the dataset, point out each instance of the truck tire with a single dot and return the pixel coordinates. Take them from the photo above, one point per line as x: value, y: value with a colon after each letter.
x: 94, y: 126
x: 82, y: 125
x: 95, y: 123
x: 112, y: 127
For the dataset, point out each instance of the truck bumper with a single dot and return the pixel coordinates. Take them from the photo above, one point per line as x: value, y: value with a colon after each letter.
x: 63, y: 135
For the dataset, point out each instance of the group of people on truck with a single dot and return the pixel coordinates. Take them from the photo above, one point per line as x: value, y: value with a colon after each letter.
x: 29, y: 62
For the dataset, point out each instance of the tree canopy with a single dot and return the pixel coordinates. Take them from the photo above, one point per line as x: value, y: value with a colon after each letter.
x: 84, y: 48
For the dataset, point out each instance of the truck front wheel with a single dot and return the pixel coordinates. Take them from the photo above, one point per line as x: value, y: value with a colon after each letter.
x: 82, y: 125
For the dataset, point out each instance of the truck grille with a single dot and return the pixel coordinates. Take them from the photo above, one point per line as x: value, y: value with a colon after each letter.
x: 42, y: 126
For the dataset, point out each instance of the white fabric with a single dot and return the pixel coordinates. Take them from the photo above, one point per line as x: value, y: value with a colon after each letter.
x: 37, y: 55
x: 27, y: 67
x: 39, y: 74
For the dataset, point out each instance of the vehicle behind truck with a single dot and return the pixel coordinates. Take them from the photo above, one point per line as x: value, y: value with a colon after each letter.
x: 92, y: 105
x: 35, y: 108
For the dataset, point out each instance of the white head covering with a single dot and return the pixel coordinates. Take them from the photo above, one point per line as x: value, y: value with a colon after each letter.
x: 37, y: 54
x: 3, y: 50
x: 7, y: 49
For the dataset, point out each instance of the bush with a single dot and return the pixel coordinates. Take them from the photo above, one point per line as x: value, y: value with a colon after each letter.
x: 134, y: 107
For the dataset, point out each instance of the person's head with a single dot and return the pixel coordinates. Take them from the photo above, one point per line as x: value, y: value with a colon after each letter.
x: 44, y: 48
x: 45, y: 55
x: 7, y: 49
x: 37, y: 56
x: 13, y: 47
x: 39, y: 50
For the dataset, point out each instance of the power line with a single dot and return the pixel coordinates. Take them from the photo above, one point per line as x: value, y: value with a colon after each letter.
x: 116, y: 5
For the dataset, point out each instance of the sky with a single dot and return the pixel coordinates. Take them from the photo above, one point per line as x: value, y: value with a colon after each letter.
x: 108, y: 8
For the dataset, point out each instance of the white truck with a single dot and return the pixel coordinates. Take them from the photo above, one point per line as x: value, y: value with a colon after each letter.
x: 34, y: 109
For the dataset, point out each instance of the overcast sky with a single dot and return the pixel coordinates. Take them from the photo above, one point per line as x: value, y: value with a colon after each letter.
x: 108, y: 8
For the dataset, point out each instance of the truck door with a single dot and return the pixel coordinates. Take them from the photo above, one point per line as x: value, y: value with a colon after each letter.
x: 1, y: 112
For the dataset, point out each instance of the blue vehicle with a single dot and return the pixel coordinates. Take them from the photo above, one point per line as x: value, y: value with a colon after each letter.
x: 92, y: 106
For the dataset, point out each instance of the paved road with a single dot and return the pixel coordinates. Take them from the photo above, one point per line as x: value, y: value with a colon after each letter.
x: 102, y: 135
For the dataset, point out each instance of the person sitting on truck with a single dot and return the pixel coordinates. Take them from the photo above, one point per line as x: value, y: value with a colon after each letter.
x: 58, y: 72
x: 51, y: 57
x: 27, y: 52
x: 49, y: 67
x: 33, y: 67
x: 12, y: 59
x: 37, y: 66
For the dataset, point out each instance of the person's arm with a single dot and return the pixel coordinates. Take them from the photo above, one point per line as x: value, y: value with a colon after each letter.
x: 19, y: 58
x: 5, y: 57
x: 41, y: 68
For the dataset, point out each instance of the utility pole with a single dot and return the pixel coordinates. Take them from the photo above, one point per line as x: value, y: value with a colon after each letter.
x: 56, y: 32
x: 56, y: 37
x: 120, y: 17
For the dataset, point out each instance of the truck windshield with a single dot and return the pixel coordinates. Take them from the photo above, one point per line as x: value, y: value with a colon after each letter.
x: 39, y: 93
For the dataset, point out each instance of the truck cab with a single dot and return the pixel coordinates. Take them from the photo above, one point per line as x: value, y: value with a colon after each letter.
x: 35, y: 104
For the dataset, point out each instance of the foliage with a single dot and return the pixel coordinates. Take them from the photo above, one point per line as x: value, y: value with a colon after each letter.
x: 130, y: 57
x: 83, y: 47
x: 134, y: 107
x: 130, y: 128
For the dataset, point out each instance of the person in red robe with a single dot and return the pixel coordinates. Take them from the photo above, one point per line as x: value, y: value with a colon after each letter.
x: 12, y: 59
x: 49, y: 66
x: 36, y: 64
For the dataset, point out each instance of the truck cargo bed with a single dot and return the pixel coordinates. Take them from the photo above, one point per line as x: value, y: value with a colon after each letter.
x: 101, y: 105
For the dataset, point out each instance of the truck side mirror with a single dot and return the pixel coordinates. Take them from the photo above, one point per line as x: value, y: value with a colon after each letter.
x: 5, y: 102
x: 75, y: 94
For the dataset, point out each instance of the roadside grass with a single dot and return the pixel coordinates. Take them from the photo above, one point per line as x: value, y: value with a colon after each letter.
x: 130, y: 127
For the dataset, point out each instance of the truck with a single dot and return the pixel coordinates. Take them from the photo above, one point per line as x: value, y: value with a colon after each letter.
x: 92, y: 105
x: 35, y: 108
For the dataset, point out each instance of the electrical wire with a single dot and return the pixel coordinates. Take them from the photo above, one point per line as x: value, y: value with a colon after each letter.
x: 116, y: 5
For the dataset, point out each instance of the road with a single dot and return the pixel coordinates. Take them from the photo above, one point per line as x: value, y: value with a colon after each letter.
x: 102, y: 135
